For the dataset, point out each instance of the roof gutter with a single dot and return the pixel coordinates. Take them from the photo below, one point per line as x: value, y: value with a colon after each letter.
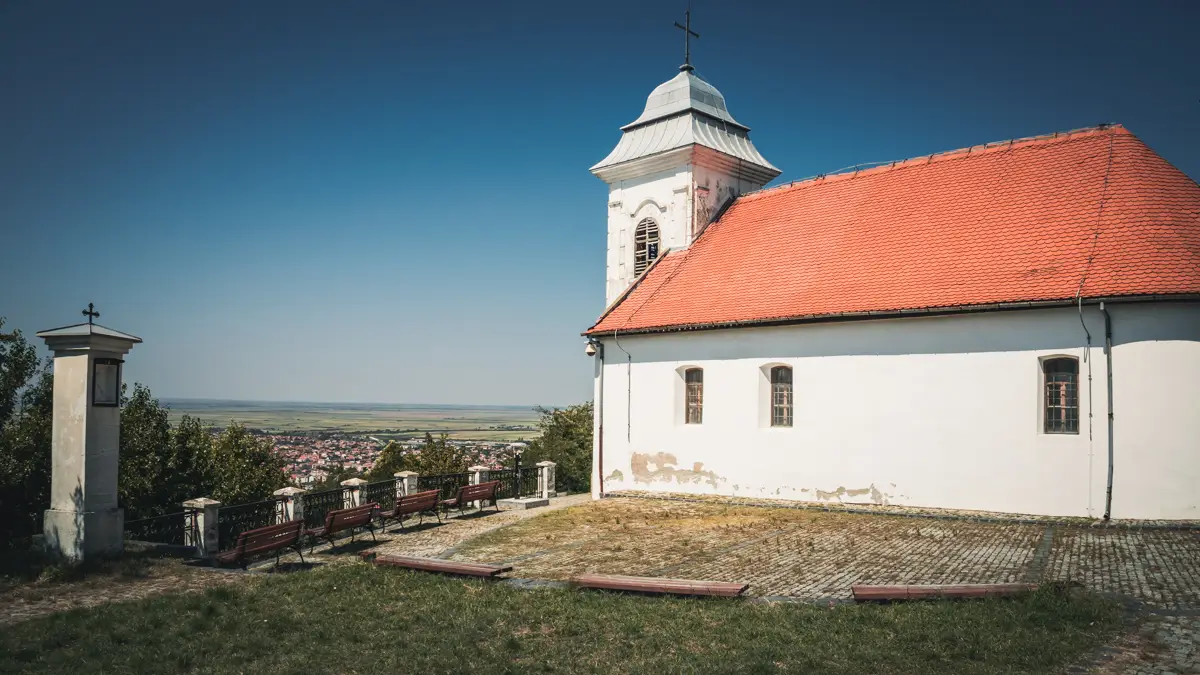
x: 884, y: 314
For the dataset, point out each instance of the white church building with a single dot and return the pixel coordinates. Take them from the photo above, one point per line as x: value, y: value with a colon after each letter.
x: 1012, y: 327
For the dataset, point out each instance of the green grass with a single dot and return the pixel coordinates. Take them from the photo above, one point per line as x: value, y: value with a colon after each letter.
x: 357, y: 618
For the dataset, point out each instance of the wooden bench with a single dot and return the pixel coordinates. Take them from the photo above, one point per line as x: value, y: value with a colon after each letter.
x: 870, y: 593
x: 610, y: 582
x: 262, y: 540
x: 480, y: 492
x: 340, y: 520
x: 419, y: 503
x: 444, y: 566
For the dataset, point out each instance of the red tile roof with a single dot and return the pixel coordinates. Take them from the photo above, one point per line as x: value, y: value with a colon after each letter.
x: 1022, y: 221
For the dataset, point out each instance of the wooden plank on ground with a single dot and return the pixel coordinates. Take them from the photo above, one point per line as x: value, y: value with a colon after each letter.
x: 613, y: 582
x: 872, y: 593
x: 443, y: 566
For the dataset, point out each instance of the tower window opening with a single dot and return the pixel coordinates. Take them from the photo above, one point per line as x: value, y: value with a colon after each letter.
x: 645, y: 245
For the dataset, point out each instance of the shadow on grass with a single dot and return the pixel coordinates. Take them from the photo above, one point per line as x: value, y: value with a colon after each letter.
x: 413, y: 529
x: 34, y: 565
x: 473, y: 515
x: 351, y: 548
x: 269, y: 567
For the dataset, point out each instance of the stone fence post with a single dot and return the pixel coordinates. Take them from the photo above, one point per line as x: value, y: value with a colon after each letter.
x: 406, y: 483
x: 546, y: 483
x: 291, y: 504
x: 352, y: 492
x: 200, y: 525
x: 479, y: 474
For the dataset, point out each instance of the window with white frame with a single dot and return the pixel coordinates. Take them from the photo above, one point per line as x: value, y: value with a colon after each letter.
x: 1060, y: 397
x: 693, y: 397
x: 781, y: 396
x: 645, y: 245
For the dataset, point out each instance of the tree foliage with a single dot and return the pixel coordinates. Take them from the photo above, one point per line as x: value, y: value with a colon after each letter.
x: 391, y: 461
x: 246, y: 467
x: 26, y: 413
x: 436, y: 456
x: 566, y: 440
x: 334, y: 475
x: 160, y: 466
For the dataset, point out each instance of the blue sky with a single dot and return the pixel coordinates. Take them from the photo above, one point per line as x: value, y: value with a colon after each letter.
x: 381, y: 201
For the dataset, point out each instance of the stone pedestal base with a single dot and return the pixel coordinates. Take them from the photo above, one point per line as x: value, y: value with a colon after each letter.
x: 65, y: 531
x: 526, y: 503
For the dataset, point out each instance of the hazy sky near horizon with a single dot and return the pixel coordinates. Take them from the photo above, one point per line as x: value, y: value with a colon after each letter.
x: 382, y: 201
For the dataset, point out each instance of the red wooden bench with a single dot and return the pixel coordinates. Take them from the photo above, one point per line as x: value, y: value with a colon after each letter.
x: 262, y: 540
x: 340, y: 520
x: 870, y: 593
x: 480, y: 492
x: 444, y: 566
x: 419, y: 503
x: 612, y: 582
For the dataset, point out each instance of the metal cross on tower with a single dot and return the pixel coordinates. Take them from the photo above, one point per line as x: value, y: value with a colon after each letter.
x: 688, y: 34
x: 91, y: 313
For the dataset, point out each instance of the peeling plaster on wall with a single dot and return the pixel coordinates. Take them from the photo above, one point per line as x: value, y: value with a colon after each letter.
x: 660, y: 466
x: 877, y: 496
x: 616, y: 475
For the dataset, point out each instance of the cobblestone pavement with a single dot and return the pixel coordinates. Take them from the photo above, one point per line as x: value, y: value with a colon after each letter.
x: 434, y: 540
x: 163, y: 576
x: 819, y: 554
x: 806, y: 554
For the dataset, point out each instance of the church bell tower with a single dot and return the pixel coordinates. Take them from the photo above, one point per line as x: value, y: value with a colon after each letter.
x: 675, y: 168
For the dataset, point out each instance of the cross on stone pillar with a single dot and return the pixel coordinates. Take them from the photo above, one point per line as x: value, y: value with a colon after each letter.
x: 83, y: 520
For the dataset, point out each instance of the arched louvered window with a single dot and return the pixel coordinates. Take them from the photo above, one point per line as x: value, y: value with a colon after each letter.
x: 1061, y: 396
x: 693, y: 401
x: 781, y: 396
x: 645, y: 245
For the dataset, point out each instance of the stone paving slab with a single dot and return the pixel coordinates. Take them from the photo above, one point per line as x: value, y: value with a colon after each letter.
x: 1160, y: 568
x: 434, y: 540
x: 810, y: 555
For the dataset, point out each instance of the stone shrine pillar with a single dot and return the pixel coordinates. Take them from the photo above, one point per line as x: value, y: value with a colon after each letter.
x: 83, y: 521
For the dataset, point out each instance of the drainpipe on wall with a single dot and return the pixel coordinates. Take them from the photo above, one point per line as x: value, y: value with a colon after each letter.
x: 599, y: 347
x: 1109, y: 361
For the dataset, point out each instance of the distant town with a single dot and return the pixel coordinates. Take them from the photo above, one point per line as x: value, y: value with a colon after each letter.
x: 311, y: 457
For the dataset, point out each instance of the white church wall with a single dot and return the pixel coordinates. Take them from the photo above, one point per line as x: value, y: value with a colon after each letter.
x: 1156, y: 407
x: 675, y: 198
x: 662, y: 196
x: 939, y: 412
x: 712, y: 188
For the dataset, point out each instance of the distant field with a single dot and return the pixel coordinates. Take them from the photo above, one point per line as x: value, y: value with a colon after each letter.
x: 461, y: 422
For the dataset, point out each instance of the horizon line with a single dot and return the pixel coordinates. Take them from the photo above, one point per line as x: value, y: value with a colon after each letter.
x: 458, y: 405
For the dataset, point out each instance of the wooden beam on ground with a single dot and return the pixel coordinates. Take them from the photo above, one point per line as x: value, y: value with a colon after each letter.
x: 443, y: 566
x: 611, y: 582
x: 870, y: 593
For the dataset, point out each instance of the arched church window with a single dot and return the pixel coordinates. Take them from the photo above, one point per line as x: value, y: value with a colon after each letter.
x: 693, y: 379
x: 781, y: 396
x: 1061, y: 402
x: 645, y: 245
